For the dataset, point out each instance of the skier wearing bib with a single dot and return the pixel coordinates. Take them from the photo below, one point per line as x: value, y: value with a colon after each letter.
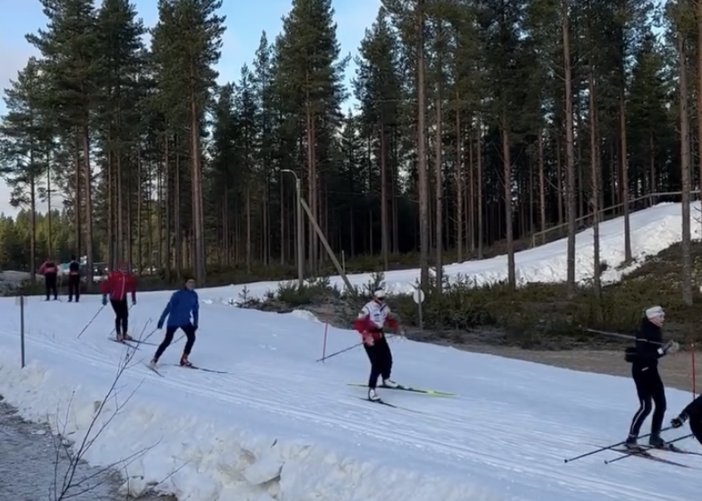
x: 371, y: 321
x: 644, y: 370
x: 692, y: 412
x: 183, y: 303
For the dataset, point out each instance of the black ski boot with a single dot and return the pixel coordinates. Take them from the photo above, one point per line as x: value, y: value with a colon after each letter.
x: 656, y: 442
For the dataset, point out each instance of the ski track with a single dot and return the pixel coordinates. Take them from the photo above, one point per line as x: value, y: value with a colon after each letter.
x: 492, y: 443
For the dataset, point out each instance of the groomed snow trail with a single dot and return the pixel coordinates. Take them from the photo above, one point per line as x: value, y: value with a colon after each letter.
x: 279, y: 426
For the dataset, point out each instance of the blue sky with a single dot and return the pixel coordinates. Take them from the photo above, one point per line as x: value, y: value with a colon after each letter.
x: 244, y: 27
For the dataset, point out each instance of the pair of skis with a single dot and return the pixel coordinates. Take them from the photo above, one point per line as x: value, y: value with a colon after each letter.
x: 434, y: 393
x: 646, y: 453
x: 193, y: 367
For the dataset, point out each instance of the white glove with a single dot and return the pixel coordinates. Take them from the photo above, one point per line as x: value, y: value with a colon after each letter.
x: 669, y: 348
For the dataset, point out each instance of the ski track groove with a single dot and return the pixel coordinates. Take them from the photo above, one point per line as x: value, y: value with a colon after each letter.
x: 215, y: 387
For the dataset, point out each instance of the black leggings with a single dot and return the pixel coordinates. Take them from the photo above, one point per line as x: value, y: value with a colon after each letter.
x: 380, y: 359
x: 50, y: 280
x: 189, y: 331
x: 121, y: 315
x: 73, y: 287
x: 650, y: 390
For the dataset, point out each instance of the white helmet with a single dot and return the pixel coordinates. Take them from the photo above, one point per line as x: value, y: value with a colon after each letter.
x: 379, y: 293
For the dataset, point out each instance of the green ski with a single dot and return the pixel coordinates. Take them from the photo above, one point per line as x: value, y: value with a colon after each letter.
x: 434, y: 393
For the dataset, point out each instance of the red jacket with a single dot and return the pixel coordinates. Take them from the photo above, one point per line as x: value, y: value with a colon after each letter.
x: 367, y: 327
x: 48, y: 267
x: 118, y: 285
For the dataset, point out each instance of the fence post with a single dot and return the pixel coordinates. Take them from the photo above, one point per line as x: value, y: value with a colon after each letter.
x: 20, y: 301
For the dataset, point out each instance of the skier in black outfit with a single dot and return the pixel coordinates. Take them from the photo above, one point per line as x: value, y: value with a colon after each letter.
x: 644, y: 369
x: 693, y: 412
x: 74, y: 279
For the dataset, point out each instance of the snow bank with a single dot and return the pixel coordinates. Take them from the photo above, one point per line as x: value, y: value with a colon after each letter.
x: 205, y: 461
x: 652, y: 231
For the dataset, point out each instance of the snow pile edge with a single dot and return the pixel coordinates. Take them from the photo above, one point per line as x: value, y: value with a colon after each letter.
x: 207, y: 461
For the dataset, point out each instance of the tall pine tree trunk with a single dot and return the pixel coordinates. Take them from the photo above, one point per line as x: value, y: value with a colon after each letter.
x: 571, y: 207
x: 685, y: 166
x: 423, y: 185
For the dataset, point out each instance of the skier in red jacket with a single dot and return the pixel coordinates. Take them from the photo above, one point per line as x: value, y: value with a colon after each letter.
x: 371, y: 321
x: 118, y: 285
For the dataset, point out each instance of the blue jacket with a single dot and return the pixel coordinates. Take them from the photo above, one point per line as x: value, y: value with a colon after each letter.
x: 178, y: 310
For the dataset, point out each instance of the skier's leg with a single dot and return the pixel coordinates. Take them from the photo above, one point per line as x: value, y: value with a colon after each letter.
x: 54, y: 286
x: 47, y: 285
x: 70, y: 288
x: 658, y: 397
x: 125, y: 318
x: 372, y: 352
x: 76, y: 280
x: 643, y: 391
x: 190, y: 335
x: 118, y: 318
x: 385, y: 357
x: 189, y: 331
x: 167, y: 340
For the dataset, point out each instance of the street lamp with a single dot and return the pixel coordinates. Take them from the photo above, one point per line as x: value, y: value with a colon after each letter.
x: 300, y: 231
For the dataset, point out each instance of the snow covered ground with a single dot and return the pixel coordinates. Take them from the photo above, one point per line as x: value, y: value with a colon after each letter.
x: 281, y: 427
x: 652, y: 231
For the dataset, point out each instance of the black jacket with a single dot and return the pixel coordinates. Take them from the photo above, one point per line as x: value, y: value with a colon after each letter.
x: 694, y: 409
x: 74, y: 268
x: 649, y: 340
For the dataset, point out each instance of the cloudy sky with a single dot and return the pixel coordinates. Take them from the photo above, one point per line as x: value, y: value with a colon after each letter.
x: 244, y: 27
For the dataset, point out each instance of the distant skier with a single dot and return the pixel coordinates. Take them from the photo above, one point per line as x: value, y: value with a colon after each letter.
x: 182, y: 304
x: 73, y: 279
x: 118, y: 285
x: 374, y: 316
x: 644, y: 369
x: 50, y: 271
x: 693, y: 412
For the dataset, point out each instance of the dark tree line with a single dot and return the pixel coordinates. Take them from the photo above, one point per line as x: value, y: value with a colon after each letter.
x: 479, y: 121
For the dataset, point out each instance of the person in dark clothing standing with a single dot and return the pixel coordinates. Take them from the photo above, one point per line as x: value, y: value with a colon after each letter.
x: 50, y: 271
x: 182, y: 304
x: 371, y: 321
x: 118, y: 285
x: 73, y: 279
x: 644, y: 370
x: 693, y: 412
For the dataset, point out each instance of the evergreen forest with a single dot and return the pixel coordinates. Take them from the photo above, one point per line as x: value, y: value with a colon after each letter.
x: 482, y: 127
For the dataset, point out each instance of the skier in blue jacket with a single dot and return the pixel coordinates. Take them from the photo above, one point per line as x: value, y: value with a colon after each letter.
x: 182, y: 304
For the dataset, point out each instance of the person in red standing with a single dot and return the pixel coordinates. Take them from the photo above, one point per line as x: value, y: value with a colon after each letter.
x: 50, y: 271
x: 119, y: 284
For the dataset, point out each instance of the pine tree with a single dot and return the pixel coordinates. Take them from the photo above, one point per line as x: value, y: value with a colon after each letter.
x: 23, y: 139
x: 309, y: 76
x: 72, y: 64
x: 377, y: 88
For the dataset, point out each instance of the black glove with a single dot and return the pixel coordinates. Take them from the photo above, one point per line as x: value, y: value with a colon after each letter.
x: 678, y: 421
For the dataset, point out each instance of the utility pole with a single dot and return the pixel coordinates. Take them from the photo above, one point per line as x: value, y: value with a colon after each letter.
x: 300, y: 230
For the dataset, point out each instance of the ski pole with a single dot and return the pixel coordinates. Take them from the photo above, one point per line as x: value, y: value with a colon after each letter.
x: 339, y: 352
x: 91, y: 321
x: 621, y: 336
x: 601, y: 449
x: 634, y: 452
x: 352, y: 347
